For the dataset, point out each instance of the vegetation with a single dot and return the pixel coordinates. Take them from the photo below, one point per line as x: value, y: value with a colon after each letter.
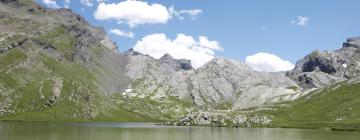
x: 337, y: 107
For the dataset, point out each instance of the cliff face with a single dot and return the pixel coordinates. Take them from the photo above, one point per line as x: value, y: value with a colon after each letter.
x: 320, y: 69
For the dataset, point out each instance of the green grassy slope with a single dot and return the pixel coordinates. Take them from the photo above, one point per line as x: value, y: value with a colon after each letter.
x: 332, y: 107
x: 43, y: 76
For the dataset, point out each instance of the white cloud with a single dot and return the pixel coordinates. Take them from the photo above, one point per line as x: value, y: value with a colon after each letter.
x: 300, y: 21
x: 268, y: 62
x: 205, y: 42
x: 122, y: 33
x: 133, y: 13
x: 182, y: 47
x: 192, y: 13
x: 67, y: 3
x: 51, y: 3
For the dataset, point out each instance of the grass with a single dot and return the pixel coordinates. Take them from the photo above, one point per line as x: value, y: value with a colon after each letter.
x: 10, y: 57
x: 330, y: 108
x: 62, y: 40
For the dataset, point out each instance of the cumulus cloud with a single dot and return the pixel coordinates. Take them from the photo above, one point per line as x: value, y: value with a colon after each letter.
x: 51, y: 3
x: 205, y: 42
x: 300, y: 21
x: 122, y: 33
x: 268, y: 62
x: 135, y: 12
x: 182, y: 47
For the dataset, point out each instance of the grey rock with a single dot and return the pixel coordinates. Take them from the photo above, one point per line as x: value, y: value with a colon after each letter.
x: 221, y: 118
x: 352, y: 42
x: 223, y: 81
x: 176, y: 64
x: 320, y: 69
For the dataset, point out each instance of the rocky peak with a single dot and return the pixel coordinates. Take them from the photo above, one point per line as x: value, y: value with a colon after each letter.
x: 223, y: 63
x: 328, y: 67
x: 166, y: 57
x: 131, y: 52
x: 352, y: 42
x: 70, y: 15
x: 317, y: 60
x: 176, y: 64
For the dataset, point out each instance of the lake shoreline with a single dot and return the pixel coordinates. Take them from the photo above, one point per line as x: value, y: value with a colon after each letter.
x: 335, y: 128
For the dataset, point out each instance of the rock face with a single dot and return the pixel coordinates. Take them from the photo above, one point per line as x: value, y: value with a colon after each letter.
x: 323, y: 68
x: 352, y: 42
x: 157, y: 78
x: 220, y: 84
x: 235, y: 85
x: 176, y: 64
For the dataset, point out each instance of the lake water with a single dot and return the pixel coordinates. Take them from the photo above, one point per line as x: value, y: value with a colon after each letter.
x: 149, y: 131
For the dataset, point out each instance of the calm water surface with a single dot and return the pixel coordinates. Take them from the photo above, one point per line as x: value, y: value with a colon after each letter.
x: 149, y: 131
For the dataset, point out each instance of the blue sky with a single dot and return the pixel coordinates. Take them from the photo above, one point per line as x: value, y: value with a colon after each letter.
x: 246, y: 27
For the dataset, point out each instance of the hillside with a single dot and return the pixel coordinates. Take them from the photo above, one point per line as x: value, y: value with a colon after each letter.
x: 55, y: 66
x: 331, y: 107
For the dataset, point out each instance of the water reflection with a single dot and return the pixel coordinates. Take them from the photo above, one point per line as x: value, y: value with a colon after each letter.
x: 147, y: 131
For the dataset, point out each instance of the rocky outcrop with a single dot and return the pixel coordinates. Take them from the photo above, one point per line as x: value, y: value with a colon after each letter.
x: 234, y: 85
x: 157, y: 79
x: 177, y: 64
x: 352, y: 42
x: 221, y: 119
x: 324, y: 68
x: 221, y: 84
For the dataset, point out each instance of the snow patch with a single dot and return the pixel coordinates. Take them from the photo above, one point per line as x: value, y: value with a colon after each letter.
x: 344, y: 65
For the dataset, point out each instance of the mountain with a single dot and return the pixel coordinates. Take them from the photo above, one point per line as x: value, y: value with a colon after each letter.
x: 325, y: 94
x: 55, y: 66
x: 323, y: 68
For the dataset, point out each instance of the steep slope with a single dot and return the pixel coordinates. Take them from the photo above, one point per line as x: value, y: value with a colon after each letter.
x: 331, y: 107
x: 234, y: 85
x: 321, y: 91
x: 219, y: 84
x: 323, y: 68
x: 55, y: 66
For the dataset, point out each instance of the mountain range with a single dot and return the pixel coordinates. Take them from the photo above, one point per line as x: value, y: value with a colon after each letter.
x: 55, y: 66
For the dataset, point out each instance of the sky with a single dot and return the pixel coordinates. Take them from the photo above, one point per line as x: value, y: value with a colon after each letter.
x: 268, y: 35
